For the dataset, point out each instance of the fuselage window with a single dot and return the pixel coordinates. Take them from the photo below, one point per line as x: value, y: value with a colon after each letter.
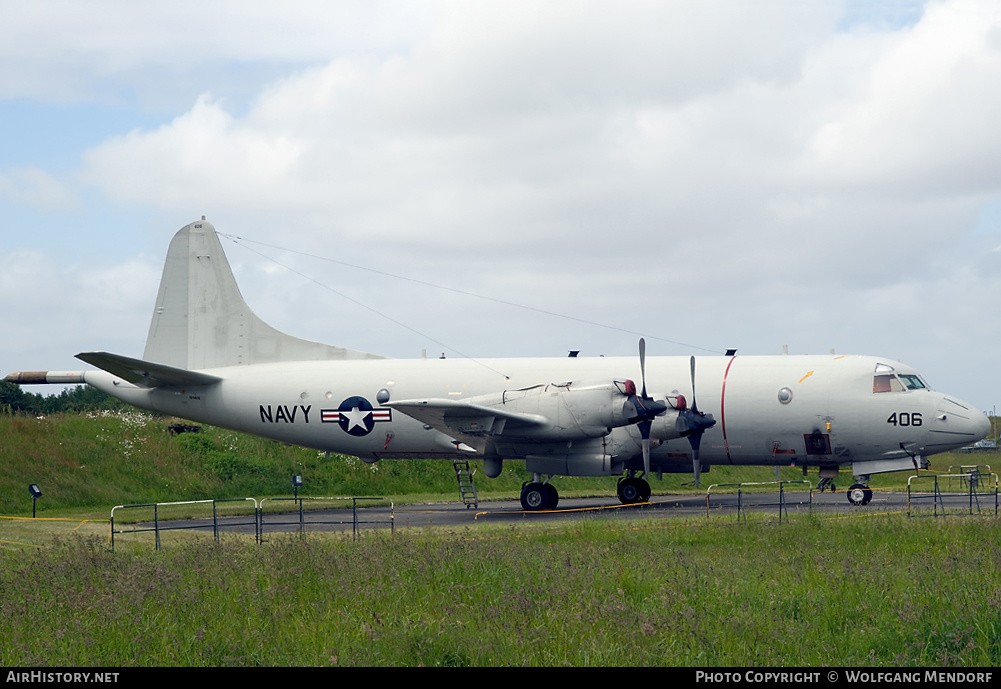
x: 886, y: 383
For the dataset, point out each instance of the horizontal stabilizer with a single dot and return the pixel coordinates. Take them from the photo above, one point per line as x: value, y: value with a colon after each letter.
x: 146, y: 374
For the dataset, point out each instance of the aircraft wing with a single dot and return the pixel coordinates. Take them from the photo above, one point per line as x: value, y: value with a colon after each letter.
x: 462, y: 418
x: 146, y: 374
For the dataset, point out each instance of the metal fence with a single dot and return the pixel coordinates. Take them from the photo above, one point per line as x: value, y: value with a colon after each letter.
x: 307, y: 518
x: 962, y: 473
x: 980, y: 490
x: 257, y: 518
x: 747, y: 498
x: 159, y: 526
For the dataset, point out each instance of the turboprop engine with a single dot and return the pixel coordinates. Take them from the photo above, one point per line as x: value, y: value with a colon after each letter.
x: 562, y: 411
x: 680, y: 421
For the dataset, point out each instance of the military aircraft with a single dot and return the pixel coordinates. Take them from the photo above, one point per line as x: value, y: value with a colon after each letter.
x: 209, y: 358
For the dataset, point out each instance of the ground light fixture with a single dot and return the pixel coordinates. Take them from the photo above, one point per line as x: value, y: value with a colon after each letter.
x: 35, y: 494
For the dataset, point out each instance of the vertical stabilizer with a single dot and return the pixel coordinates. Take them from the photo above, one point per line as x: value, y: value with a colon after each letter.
x: 201, y: 320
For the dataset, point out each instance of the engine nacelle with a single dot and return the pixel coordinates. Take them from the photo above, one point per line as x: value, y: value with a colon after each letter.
x: 679, y: 421
x: 572, y: 411
x: 666, y: 426
x: 574, y: 464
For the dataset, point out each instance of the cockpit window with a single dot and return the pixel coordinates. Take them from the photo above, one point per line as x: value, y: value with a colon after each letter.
x: 886, y: 383
x: 912, y: 382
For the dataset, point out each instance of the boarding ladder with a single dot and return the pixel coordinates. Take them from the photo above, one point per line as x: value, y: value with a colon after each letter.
x: 466, y: 488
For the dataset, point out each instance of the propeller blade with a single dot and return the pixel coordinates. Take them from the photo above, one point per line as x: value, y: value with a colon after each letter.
x: 695, y: 407
x: 643, y: 365
x: 644, y: 427
x: 645, y: 409
x: 697, y: 424
x: 695, y: 439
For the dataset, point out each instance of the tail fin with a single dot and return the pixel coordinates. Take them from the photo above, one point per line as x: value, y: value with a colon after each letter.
x: 201, y: 320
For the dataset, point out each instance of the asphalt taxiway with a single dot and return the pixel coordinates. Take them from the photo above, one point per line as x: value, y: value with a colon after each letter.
x: 383, y: 515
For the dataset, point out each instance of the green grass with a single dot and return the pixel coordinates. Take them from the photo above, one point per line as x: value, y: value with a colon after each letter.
x: 110, y: 458
x: 885, y: 591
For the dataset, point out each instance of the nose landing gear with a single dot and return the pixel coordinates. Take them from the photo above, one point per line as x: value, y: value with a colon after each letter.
x: 826, y: 484
x: 859, y: 494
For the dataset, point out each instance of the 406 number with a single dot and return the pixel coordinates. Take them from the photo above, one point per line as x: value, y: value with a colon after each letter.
x: 905, y: 418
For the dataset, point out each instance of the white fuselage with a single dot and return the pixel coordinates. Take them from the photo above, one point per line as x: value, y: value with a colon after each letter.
x: 803, y: 410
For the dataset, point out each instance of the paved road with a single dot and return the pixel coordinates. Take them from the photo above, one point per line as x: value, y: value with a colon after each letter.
x: 719, y: 506
x: 456, y: 515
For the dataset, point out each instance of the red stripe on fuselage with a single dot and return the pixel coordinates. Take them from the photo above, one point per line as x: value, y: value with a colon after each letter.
x: 722, y: 410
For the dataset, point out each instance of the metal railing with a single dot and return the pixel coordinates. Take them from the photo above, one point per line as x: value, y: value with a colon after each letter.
x: 257, y: 518
x: 974, y: 481
x: 304, y: 521
x: 781, y: 503
x: 980, y: 472
x: 173, y: 525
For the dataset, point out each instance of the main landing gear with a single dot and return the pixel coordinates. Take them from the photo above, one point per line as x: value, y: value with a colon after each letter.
x: 536, y: 496
x: 632, y: 490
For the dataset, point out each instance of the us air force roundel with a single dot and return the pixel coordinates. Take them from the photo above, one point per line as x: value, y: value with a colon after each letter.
x: 356, y: 416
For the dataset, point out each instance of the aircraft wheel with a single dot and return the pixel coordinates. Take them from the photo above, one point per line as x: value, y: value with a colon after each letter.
x: 553, y: 495
x: 631, y: 490
x: 536, y: 496
x: 859, y: 494
x: 645, y: 491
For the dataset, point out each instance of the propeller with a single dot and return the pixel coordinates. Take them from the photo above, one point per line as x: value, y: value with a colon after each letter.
x: 645, y: 409
x: 692, y: 424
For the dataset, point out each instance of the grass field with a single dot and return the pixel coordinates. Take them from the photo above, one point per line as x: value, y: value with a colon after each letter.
x: 869, y: 592
x: 873, y: 591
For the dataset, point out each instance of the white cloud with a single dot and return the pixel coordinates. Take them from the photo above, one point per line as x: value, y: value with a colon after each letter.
x: 203, y: 155
x: 35, y: 187
x: 65, y: 51
x: 722, y: 173
x: 603, y: 112
x: 925, y: 111
x: 53, y: 309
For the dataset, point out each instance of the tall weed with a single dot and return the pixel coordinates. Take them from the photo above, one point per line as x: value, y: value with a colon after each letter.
x: 596, y: 592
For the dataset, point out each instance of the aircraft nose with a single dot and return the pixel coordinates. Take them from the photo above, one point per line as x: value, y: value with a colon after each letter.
x: 958, y: 423
x: 983, y: 426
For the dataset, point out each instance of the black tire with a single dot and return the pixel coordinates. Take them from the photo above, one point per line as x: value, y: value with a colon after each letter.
x: 630, y: 491
x: 534, y: 497
x: 859, y: 495
x: 554, y: 496
x: 644, y: 490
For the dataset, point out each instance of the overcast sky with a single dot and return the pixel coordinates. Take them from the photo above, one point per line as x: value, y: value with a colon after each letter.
x: 823, y: 175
